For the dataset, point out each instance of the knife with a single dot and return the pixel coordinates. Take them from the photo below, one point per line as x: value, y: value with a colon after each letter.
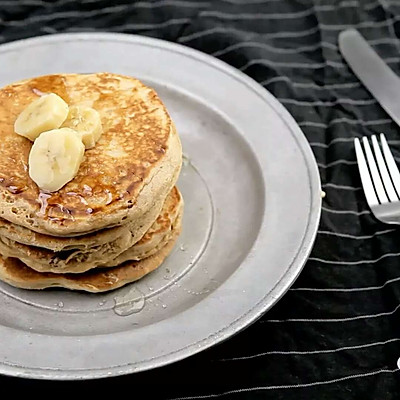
x: 373, y: 72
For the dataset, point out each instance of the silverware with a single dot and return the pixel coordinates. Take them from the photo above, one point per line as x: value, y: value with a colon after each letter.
x: 372, y: 71
x: 380, y: 178
x: 378, y: 170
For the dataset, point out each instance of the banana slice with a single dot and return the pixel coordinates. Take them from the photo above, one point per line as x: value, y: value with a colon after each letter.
x: 43, y: 114
x: 86, y: 121
x: 55, y: 158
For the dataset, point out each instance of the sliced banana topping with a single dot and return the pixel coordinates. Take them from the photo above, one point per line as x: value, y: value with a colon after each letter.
x: 43, y: 114
x: 60, y: 134
x: 55, y: 158
x: 86, y: 121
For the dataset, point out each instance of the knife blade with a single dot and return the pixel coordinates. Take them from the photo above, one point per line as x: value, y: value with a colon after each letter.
x: 373, y: 72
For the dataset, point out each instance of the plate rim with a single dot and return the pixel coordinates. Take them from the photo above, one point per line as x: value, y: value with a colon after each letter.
x: 292, y: 271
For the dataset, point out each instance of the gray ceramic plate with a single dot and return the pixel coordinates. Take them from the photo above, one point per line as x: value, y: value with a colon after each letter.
x: 252, y: 194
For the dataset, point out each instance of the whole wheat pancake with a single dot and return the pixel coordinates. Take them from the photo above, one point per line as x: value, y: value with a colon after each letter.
x: 131, y: 168
x: 16, y: 273
x: 157, y: 236
x: 129, y: 232
x: 108, y: 254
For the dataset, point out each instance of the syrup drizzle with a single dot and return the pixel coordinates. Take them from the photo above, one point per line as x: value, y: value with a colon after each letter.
x: 43, y: 201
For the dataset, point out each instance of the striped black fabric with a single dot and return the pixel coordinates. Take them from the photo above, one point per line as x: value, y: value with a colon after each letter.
x: 336, y: 333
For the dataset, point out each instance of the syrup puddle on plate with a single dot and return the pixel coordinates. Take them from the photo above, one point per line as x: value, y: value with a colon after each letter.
x: 129, y: 303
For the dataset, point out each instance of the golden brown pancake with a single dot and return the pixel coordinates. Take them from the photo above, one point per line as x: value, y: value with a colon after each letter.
x: 108, y: 254
x: 17, y: 274
x: 130, y: 171
x: 131, y: 232
x: 157, y: 236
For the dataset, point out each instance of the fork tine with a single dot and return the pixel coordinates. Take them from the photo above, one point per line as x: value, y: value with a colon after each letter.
x: 368, y: 187
x: 391, y: 163
x: 387, y: 182
x: 376, y: 179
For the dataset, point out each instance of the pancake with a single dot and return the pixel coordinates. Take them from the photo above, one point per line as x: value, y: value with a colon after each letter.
x: 129, y: 232
x: 157, y: 236
x: 130, y: 171
x: 108, y: 254
x: 16, y: 273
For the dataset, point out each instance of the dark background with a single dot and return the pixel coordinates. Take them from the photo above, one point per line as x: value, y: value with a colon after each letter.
x: 336, y: 333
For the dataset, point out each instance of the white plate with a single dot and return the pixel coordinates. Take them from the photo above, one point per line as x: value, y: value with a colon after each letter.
x: 252, y: 193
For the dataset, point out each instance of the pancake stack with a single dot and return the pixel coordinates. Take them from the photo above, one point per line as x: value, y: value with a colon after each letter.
x: 120, y: 215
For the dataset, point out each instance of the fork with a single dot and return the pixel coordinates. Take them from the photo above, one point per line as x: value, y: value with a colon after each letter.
x: 380, y: 178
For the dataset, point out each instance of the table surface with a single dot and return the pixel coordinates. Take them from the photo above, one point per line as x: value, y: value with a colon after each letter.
x: 336, y: 333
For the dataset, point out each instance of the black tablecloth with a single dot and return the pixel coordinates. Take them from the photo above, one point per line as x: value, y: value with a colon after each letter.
x: 336, y: 333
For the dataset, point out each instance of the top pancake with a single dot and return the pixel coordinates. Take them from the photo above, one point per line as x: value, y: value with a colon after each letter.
x: 133, y: 165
